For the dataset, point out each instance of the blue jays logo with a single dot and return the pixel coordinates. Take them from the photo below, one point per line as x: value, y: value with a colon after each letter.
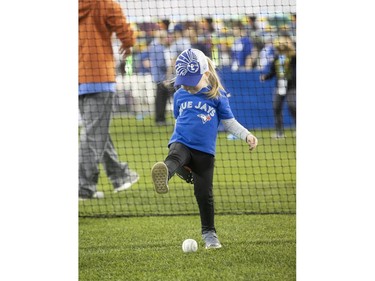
x: 187, y: 61
x: 193, y: 67
x: 204, y: 118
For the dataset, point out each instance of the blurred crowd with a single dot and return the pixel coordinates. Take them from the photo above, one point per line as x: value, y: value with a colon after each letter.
x: 244, y: 43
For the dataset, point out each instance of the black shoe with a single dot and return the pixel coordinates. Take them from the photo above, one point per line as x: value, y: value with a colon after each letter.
x: 185, y: 174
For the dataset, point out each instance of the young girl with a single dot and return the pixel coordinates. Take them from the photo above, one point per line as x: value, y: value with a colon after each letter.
x: 199, y: 106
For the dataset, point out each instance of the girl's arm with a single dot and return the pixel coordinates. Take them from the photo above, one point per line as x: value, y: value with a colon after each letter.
x: 235, y: 128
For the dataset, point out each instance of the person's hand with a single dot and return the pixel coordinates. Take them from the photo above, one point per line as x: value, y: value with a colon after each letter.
x: 262, y: 77
x: 125, y: 52
x: 252, y: 141
x: 166, y: 83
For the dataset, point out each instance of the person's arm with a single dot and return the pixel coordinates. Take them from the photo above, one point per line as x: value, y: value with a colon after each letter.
x: 249, y: 62
x: 117, y: 23
x: 234, y: 127
x: 252, y: 55
x: 293, y: 69
x: 170, y: 68
x: 271, y: 73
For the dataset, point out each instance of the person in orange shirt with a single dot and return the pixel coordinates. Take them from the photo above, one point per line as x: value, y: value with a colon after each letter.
x: 98, y: 21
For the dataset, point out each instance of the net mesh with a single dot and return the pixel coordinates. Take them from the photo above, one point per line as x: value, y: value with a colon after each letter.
x: 263, y: 181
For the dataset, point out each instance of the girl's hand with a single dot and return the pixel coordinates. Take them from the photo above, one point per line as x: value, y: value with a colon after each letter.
x: 252, y: 141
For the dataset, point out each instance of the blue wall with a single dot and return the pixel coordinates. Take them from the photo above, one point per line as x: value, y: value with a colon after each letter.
x: 251, y: 100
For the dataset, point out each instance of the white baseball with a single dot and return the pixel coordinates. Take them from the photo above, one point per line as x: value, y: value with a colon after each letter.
x: 189, y: 245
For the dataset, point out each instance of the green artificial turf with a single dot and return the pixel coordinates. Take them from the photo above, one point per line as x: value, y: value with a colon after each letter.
x: 255, y: 248
x: 137, y: 234
x: 263, y: 181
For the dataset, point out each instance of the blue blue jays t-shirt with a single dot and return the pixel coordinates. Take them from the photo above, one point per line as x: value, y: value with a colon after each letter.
x: 198, y: 118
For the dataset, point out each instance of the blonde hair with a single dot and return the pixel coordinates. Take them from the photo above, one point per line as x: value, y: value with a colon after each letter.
x: 213, y: 81
x: 285, y: 45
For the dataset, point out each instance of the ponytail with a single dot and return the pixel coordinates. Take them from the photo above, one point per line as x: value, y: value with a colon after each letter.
x: 213, y: 81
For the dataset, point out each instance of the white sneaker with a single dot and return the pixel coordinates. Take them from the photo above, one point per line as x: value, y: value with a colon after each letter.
x: 159, y: 173
x: 211, y: 240
x: 278, y: 136
x: 130, y: 180
x: 96, y: 195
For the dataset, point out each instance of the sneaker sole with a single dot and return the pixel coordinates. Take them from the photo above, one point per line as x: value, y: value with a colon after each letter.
x: 126, y: 186
x: 214, y: 247
x: 159, y: 173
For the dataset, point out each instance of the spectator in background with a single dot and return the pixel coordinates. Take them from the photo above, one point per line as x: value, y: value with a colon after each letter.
x: 243, y: 54
x: 222, y: 44
x: 253, y: 32
x: 293, y: 26
x: 164, y: 24
x: 224, y: 52
x: 267, y: 54
x: 205, y: 31
x: 251, y: 27
x: 179, y: 43
x: 192, y: 34
x: 97, y: 85
x: 284, y: 68
x: 143, y: 87
x: 159, y: 67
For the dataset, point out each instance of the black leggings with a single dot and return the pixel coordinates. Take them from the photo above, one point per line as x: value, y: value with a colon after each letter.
x: 202, y: 166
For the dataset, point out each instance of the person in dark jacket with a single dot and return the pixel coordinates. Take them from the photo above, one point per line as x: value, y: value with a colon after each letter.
x: 283, y: 67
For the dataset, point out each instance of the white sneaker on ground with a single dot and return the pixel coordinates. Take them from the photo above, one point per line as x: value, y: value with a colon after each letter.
x: 96, y: 195
x: 159, y: 173
x: 278, y: 136
x: 130, y: 180
x: 211, y: 240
